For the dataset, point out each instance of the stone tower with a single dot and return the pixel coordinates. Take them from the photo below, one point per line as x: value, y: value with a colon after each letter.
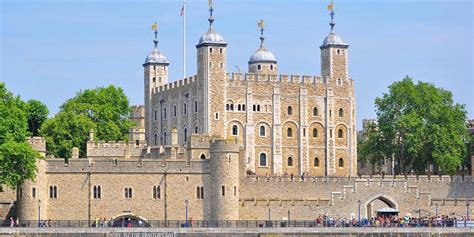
x: 263, y: 61
x: 211, y: 76
x: 156, y: 75
x: 137, y: 131
x: 224, y: 179
x: 32, y: 195
x: 339, y: 117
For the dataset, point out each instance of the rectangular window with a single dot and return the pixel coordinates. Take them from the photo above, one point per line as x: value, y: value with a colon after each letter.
x: 154, y: 117
x: 33, y: 192
x: 185, y: 108
x: 223, y: 191
x: 235, y: 191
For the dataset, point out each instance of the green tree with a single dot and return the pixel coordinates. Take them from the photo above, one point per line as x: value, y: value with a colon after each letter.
x: 104, y: 109
x: 419, y: 125
x: 17, y: 157
x: 37, y: 113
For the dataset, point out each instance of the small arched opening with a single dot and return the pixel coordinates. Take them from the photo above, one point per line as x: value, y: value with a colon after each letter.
x: 129, y: 220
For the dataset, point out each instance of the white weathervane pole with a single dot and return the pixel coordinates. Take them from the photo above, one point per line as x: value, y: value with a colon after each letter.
x: 184, y: 38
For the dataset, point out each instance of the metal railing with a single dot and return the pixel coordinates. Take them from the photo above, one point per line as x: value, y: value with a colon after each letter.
x: 235, y: 224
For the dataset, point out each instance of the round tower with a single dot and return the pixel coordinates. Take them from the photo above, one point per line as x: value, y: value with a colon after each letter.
x: 31, y: 195
x: 263, y: 61
x: 224, y: 179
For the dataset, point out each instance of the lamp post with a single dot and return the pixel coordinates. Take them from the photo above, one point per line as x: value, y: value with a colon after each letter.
x: 467, y: 210
x: 39, y: 212
x: 358, y: 223
x: 186, y: 202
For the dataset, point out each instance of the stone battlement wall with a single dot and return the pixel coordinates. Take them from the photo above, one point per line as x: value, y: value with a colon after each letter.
x: 175, y: 84
x: 118, y: 149
x: 58, y: 165
x: 297, y: 79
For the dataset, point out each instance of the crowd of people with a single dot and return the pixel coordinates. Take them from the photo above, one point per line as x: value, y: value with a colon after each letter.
x: 390, y: 221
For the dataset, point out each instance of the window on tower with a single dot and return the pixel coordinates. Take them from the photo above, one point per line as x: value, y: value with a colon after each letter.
x: 271, y: 67
x: 259, y: 67
x: 220, y: 50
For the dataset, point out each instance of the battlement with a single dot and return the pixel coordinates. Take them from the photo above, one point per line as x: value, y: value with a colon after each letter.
x: 282, y: 78
x: 57, y: 165
x: 118, y: 149
x: 175, y: 84
x: 38, y: 143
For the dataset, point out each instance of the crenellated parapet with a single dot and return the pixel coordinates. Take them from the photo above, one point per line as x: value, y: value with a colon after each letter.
x: 280, y: 79
x: 175, y: 84
x: 120, y: 149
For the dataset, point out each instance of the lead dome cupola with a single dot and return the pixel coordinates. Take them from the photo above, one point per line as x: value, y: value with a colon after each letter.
x: 262, y: 55
x: 156, y: 57
x: 211, y: 36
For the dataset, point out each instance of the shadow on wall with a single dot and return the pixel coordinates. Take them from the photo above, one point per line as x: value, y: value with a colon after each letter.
x: 461, y: 189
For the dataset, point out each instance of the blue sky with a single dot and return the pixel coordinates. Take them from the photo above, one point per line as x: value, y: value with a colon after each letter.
x: 53, y: 48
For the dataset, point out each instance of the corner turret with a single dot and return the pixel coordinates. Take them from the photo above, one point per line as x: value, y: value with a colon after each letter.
x: 156, y: 75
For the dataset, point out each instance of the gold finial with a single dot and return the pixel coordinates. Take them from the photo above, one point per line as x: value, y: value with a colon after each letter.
x: 261, y: 24
x: 154, y: 27
x: 331, y: 6
x: 210, y: 3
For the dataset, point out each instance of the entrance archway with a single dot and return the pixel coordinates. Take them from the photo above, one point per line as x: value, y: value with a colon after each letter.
x: 129, y: 220
x: 379, y: 202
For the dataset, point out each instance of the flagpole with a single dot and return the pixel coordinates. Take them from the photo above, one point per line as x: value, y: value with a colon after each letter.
x: 184, y: 39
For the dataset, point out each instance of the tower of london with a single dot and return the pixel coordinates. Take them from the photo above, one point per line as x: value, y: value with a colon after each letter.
x: 231, y: 146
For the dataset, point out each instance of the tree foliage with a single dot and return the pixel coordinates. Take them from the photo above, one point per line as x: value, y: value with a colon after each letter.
x: 419, y: 125
x: 37, y: 113
x: 104, y: 109
x: 17, y: 157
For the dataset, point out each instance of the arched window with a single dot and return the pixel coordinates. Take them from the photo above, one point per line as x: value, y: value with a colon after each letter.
x: 271, y: 67
x: 316, y: 162
x: 174, y: 111
x: 165, y: 137
x: 263, y: 160
x: 227, y: 107
x: 340, y: 133
x: 341, y: 162
x: 156, y: 192
x: 156, y: 139
x: 262, y: 130
x: 289, y: 132
x: 198, y: 192
x: 315, y: 111
x: 315, y: 132
x: 185, y: 108
x: 164, y: 112
x: 341, y: 112
x: 203, y: 157
x: 259, y: 67
x: 290, y: 161
x: 254, y: 108
x: 289, y: 110
x: 232, y: 107
x: 235, y: 130
x: 243, y: 107
x: 258, y: 108
x: 196, y: 130
x: 185, y: 135
x: 239, y: 107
